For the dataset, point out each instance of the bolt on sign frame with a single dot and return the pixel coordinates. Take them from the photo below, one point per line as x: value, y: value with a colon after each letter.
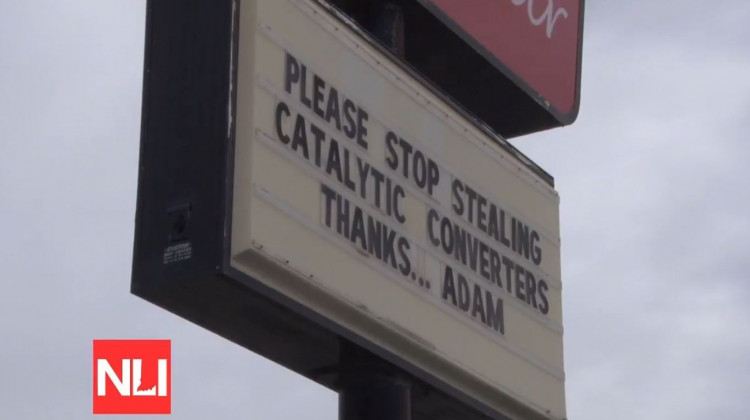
x: 300, y: 187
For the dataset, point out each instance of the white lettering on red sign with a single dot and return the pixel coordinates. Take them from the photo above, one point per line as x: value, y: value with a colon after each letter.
x: 549, y: 16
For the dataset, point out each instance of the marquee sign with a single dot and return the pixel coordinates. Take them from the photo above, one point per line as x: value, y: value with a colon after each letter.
x: 307, y: 190
x: 535, y: 42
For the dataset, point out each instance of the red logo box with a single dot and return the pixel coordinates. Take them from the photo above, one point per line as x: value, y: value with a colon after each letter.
x: 132, y: 377
x: 537, y: 43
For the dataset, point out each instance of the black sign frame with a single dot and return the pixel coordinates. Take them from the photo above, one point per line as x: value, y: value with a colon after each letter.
x: 183, y: 216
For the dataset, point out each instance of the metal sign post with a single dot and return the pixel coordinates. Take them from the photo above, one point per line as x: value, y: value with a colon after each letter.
x: 370, y: 390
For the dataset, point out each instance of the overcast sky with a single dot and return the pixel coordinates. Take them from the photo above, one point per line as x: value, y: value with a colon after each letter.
x: 653, y: 177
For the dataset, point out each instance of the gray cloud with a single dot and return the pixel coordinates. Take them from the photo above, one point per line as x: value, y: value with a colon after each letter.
x: 654, y: 213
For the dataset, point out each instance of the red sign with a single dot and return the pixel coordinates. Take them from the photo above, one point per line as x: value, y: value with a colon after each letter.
x: 132, y: 377
x: 537, y: 43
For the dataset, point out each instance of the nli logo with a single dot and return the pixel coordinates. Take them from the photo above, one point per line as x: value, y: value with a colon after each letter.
x: 548, y: 17
x: 132, y: 377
